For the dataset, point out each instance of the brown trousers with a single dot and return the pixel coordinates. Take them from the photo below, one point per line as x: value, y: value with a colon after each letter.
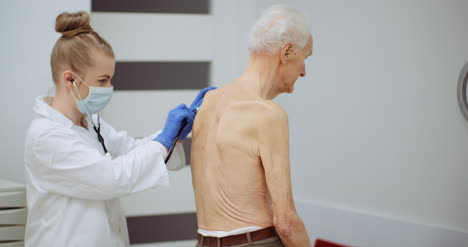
x: 268, y: 242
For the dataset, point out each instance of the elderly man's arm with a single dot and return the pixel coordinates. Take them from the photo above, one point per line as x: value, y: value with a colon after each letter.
x: 273, y: 147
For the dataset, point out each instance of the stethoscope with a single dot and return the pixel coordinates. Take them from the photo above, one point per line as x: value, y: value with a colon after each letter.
x: 97, y: 129
x: 174, y: 142
x: 98, y: 132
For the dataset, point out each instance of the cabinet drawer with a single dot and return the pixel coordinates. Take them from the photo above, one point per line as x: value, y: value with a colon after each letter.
x: 11, y: 233
x: 13, y: 199
x: 13, y: 216
x: 12, y: 244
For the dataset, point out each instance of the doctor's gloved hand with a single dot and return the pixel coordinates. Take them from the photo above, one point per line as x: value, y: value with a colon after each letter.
x: 175, y: 120
x: 199, y: 99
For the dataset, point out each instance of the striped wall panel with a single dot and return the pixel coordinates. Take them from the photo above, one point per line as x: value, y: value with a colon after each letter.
x: 162, y: 228
x: 152, y: 6
x: 160, y: 37
x: 137, y: 75
x: 164, y: 57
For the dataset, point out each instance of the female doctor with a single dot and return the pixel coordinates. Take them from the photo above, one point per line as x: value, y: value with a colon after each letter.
x: 76, y: 165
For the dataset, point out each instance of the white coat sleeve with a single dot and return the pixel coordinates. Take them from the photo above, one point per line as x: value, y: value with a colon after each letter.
x: 120, y: 143
x: 65, y: 164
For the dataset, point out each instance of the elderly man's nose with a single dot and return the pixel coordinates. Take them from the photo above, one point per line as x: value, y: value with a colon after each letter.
x: 303, y: 72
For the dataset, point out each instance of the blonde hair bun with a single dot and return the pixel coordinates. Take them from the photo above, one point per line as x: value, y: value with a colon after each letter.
x: 75, y: 49
x: 72, y: 24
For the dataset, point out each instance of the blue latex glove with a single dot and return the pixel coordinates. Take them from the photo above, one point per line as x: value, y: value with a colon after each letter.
x: 199, y: 99
x: 176, y: 117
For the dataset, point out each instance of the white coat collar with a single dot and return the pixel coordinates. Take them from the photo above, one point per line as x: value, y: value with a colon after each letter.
x: 42, y: 107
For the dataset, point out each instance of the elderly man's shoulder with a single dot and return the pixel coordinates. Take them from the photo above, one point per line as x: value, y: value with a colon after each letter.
x: 261, y: 110
x: 270, y: 108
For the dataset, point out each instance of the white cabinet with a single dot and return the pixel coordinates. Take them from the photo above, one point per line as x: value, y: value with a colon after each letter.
x: 12, y: 214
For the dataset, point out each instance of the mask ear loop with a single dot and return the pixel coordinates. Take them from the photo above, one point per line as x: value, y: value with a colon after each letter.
x: 96, y: 129
x: 81, y: 99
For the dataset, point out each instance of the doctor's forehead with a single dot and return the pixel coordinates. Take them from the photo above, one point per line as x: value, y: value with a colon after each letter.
x: 104, y: 65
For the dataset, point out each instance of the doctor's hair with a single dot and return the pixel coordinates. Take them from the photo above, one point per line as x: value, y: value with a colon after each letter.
x: 78, y: 42
x: 277, y: 26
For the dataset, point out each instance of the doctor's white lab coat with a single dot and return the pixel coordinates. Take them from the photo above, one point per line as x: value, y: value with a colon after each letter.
x: 73, y: 188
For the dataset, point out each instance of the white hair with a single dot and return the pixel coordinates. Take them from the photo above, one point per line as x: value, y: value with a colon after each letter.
x: 277, y: 26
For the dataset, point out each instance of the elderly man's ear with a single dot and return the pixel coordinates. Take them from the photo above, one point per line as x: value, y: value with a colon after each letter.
x: 287, y: 50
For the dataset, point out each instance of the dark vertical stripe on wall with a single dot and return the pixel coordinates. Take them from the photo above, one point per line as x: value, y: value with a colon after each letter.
x: 152, y: 6
x: 161, y: 75
x: 162, y: 228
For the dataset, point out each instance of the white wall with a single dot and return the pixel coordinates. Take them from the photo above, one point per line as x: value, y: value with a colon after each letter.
x: 28, y: 36
x: 375, y: 126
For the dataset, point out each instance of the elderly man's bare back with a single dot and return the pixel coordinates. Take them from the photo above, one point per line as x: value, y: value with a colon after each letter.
x: 240, y: 143
x: 228, y: 177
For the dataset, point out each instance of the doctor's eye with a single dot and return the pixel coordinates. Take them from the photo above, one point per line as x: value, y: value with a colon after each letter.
x: 103, y: 81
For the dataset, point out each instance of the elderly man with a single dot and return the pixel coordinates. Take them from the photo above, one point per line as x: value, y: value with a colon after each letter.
x: 240, y: 150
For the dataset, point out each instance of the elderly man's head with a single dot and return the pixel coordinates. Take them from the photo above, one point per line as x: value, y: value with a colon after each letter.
x: 282, y: 33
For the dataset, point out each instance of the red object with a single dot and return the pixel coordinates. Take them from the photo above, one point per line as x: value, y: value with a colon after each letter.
x: 325, y: 243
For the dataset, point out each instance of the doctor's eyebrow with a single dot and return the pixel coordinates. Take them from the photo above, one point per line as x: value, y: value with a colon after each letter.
x: 107, y: 76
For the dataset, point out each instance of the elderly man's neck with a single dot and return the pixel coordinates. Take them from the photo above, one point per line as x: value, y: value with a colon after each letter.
x: 261, y: 76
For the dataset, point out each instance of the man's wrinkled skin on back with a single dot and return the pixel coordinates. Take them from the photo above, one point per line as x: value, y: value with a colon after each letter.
x: 240, y: 142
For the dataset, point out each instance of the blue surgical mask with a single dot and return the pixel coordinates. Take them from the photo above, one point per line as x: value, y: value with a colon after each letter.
x: 97, y: 99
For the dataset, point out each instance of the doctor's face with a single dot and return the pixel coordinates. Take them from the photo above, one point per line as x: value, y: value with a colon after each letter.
x: 97, y: 75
